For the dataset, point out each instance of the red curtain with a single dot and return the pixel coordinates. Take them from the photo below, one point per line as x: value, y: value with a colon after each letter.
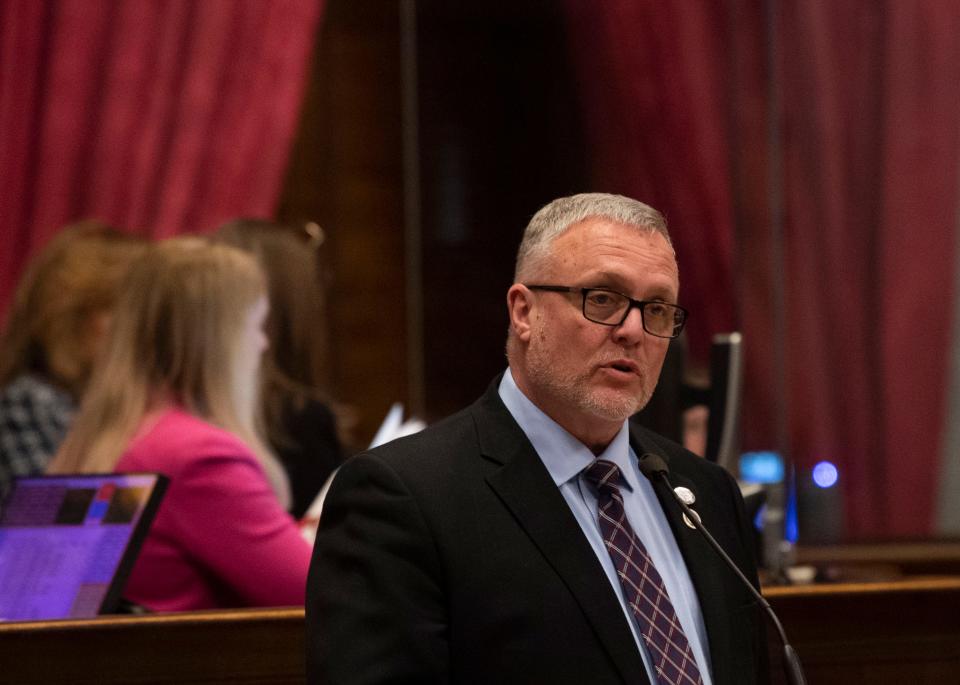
x: 871, y: 95
x: 158, y: 117
x: 806, y: 154
x: 651, y: 76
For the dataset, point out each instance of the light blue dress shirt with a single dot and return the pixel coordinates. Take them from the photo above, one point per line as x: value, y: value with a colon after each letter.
x: 565, y: 458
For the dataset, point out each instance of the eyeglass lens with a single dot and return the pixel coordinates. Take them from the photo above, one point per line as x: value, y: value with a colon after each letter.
x: 606, y: 307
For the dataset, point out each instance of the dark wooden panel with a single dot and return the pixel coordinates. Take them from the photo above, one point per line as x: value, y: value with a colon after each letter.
x: 249, y: 647
x: 500, y: 136
x: 346, y: 174
x: 904, y: 632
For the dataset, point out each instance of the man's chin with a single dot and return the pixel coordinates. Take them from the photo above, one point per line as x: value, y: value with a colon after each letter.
x: 613, y: 406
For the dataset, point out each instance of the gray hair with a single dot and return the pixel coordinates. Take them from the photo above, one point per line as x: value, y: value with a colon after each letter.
x: 556, y: 217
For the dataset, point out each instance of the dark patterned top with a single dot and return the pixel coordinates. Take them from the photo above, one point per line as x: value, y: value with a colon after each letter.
x: 34, y: 417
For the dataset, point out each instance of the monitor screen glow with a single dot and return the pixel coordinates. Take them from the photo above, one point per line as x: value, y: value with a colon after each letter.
x: 67, y: 542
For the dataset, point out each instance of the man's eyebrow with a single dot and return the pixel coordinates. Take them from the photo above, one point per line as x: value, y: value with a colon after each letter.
x: 606, y: 279
x: 614, y: 281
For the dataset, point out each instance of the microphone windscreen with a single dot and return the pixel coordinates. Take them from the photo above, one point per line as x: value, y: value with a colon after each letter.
x: 652, y: 465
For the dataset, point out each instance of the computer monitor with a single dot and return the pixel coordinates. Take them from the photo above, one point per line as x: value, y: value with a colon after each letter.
x: 68, y: 543
x: 726, y: 396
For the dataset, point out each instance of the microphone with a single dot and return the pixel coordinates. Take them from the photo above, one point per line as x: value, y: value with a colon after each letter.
x: 654, y: 467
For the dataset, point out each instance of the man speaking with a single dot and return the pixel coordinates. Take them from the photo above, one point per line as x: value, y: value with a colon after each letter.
x: 518, y: 541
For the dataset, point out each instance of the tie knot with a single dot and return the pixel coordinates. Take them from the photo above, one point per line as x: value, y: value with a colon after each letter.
x: 603, y: 473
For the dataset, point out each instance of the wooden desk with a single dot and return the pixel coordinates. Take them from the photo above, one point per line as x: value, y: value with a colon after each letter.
x: 902, y: 632
x: 894, y: 559
x: 248, y: 647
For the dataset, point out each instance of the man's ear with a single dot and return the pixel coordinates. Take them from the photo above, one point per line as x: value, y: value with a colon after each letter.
x: 520, y: 309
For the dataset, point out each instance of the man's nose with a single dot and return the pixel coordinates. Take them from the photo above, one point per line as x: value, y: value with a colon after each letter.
x: 631, y: 330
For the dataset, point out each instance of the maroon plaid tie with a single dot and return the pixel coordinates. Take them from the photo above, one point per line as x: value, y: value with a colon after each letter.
x: 642, y: 585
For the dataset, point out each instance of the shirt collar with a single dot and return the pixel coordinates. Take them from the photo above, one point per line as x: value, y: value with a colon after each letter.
x: 563, y: 455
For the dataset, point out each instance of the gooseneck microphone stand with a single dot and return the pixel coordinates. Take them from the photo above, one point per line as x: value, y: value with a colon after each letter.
x: 654, y: 467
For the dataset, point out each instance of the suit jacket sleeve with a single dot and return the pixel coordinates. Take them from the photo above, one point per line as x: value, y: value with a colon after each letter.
x: 375, y: 603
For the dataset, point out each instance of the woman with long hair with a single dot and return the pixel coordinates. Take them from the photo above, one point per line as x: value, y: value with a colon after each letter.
x: 54, y: 330
x: 177, y: 393
x: 301, y: 424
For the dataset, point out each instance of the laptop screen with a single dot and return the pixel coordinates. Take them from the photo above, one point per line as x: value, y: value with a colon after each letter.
x: 67, y: 543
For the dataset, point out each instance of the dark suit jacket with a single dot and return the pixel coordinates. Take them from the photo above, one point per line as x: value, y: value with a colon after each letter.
x: 451, y: 556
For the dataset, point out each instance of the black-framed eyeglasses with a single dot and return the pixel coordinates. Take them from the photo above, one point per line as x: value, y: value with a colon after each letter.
x: 610, y: 308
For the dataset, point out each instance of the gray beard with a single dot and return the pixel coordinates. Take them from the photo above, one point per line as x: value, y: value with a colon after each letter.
x: 572, y: 389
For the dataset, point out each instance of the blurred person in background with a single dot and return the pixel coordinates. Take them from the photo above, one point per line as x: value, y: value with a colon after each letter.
x: 300, y: 419
x: 54, y: 329
x: 176, y: 392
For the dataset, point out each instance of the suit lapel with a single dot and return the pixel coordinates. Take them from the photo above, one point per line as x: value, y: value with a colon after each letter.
x: 707, y: 571
x: 524, y: 486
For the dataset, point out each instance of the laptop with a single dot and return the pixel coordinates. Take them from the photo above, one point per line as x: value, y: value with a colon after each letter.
x: 68, y: 543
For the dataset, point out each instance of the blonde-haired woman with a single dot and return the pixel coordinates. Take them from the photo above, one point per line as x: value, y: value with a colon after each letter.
x: 176, y: 393
x: 298, y: 416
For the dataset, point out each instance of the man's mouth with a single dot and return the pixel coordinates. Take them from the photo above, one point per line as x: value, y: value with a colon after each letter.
x: 623, y: 366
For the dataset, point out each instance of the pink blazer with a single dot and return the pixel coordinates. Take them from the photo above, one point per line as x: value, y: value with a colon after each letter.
x: 220, y: 538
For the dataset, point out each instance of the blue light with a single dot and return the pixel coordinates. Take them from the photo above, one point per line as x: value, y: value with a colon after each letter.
x: 761, y: 467
x: 825, y: 474
x: 758, y: 519
x: 791, y: 524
